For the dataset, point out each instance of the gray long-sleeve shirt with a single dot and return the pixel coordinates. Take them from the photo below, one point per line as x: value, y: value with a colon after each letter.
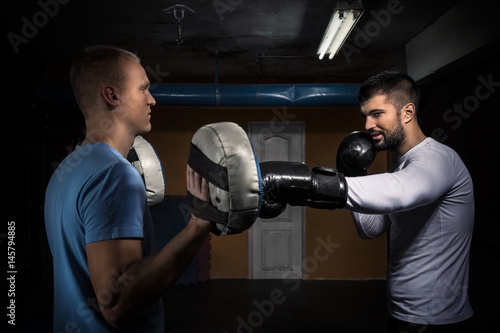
x: 427, y: 204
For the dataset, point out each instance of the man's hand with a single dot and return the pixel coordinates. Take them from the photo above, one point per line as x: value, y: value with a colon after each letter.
x: 198, y: 187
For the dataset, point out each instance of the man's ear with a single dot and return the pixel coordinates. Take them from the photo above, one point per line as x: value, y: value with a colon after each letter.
x: 109, y: 95
x: 409, y: 112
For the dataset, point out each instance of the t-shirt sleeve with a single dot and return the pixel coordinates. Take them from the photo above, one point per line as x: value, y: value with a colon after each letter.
x: 112, y: 204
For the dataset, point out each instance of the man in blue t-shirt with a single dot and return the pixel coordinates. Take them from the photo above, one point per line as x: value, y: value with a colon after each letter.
x: 107, y: 277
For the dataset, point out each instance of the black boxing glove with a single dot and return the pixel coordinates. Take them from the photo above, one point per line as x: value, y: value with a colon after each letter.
x: 355, y: 154
x: 294, y: 184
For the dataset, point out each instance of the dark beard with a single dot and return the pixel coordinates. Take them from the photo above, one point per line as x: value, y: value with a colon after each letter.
x: 392, y: 139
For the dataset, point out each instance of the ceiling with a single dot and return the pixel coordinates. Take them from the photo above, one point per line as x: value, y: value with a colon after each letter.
x: 240, y: 41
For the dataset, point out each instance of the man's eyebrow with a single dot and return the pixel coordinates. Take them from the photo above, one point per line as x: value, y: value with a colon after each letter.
x: 372, y: 111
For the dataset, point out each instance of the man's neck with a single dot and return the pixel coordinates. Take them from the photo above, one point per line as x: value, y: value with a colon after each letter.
x: 114, y: 136
x: 411, y: 141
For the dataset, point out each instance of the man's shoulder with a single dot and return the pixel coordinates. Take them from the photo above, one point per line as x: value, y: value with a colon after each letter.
x: 430, y: 148
x: 90, y: 162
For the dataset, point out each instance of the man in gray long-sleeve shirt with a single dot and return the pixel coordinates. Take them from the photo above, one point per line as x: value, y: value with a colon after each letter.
x: 427, y: 205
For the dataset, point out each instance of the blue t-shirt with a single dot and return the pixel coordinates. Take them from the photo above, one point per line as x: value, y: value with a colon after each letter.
x: 94, y: 195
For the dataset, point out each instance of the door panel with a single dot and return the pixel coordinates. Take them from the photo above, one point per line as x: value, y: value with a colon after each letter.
x: 276, y: 245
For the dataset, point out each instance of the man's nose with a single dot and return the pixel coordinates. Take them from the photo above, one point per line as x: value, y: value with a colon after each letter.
x: 369, y: 124
x: 151, y: 100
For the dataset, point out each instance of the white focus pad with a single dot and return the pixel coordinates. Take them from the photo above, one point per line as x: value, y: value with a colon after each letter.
x: 144, y: 158
x: 222, y: 154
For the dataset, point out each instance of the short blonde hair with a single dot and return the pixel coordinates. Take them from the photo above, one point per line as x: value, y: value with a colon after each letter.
x: 92, y: 68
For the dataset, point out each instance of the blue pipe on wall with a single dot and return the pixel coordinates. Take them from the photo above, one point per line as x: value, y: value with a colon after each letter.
x: 332, y: 94
x: 242, y: 95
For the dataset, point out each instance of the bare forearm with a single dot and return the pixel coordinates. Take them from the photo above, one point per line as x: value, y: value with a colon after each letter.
x: 173, y: 259
x: 147, y: 279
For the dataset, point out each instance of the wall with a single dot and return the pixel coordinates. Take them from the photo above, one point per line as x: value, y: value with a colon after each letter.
x: 352, y: 257
x: 460, y: 110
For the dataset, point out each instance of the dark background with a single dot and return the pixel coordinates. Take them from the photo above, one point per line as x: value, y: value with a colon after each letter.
x: 37, y: 134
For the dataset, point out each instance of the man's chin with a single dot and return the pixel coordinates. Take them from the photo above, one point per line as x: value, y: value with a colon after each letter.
x: 147, y: 128
x: 379, y: 145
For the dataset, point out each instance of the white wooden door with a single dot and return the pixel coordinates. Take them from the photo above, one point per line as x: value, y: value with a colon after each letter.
x: 276, y: 246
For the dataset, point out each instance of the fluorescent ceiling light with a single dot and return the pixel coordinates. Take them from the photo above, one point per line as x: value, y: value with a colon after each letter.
x: 341, y: 24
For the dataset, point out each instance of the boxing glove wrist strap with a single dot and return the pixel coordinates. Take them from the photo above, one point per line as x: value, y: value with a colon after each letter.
x: 331, y: 189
